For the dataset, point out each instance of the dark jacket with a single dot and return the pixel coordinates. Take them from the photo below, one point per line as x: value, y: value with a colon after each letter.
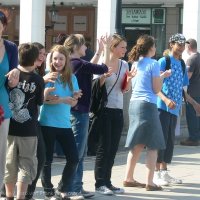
x: 84, y: 71
x: 98, y: 97
x: 98, y: 102
x: 12, y: 52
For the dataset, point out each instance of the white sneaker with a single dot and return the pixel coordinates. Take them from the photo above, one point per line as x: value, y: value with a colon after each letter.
x: 75, y: 196
x: 158, y: 180
x: 104, y: 190
x: 165, y: 176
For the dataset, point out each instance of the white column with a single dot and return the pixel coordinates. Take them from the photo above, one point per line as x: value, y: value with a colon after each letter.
x: 32, y: 21
x: 191, y: 20
x: 106, y: 15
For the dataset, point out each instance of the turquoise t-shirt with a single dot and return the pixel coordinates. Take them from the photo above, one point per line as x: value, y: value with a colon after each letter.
x: 142, y: 88
x: 4, y: 99
x: 58, y: 115
x: 173, y: 85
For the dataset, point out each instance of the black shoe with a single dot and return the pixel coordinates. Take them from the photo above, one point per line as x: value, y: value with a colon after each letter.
x: 116, y: 190
x: 86, y: 194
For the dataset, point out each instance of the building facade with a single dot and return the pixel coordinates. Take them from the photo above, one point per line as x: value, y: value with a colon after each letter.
x: 136, y: 19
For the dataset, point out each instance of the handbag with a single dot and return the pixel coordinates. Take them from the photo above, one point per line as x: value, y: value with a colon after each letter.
x: 124, y: 82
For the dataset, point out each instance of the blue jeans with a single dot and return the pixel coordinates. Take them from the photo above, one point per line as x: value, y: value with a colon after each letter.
x: 193, y: 121
x: 80, y: 124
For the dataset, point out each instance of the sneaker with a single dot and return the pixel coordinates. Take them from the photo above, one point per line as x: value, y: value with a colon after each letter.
x: 189, y: 143
x: 50, y: 198
x: 76, y: 196
x: 165, y: 176
x: 58, y: 196
x: 158, y: 180
x: 86, y: 194
x: 116, y: 190
x: 104, y: 190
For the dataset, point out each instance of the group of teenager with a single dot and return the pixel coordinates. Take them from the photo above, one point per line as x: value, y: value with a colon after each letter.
x: 42, y: 108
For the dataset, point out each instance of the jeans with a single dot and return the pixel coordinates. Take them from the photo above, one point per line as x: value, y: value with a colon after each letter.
x: 66, y: 139
x: 111, y: 123
x: 193, y: 121
x: 80, y: 124
x: 168, y: 123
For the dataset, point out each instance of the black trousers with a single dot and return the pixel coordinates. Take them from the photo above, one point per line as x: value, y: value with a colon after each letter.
x: 66, y: 139
x: 168, y: 123
x: 111, y: 124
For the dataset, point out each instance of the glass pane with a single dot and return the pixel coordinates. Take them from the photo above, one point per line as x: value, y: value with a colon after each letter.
x: 158, y: 31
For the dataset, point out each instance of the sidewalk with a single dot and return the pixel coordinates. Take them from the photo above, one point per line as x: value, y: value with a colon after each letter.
x: 186, y: 165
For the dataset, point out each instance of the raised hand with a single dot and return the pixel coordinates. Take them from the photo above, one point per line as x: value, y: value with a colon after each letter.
x: 132, y: 73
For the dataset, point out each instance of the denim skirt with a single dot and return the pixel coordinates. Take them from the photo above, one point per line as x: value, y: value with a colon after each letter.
x: 144, y: 126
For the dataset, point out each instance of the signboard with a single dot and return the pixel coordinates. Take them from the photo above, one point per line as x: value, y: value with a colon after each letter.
x: 136, y: 16
x: 158, y: 16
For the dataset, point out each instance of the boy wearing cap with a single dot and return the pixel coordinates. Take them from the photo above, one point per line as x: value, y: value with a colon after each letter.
x: 193, y: 65
x: 169, y: 104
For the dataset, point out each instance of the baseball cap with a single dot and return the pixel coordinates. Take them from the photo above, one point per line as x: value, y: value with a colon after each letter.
x: 177, y: 38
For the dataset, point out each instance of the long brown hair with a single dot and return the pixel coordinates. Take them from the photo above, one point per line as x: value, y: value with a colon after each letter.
x: 40, y: 70
x: 143, y: 45
x: 66, y: 74
x: 74, y: 41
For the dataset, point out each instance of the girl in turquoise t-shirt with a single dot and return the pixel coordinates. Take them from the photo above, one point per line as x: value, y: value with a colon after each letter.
x: 55, y: 121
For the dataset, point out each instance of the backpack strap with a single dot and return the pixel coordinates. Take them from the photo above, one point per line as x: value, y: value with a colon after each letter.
x: 183, y: 66
x: 168, y: 63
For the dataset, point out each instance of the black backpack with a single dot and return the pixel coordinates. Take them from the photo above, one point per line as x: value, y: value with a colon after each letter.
x: 168, y: 66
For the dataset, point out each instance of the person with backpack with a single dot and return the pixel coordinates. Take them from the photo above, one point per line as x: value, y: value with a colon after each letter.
x: 169, y: 105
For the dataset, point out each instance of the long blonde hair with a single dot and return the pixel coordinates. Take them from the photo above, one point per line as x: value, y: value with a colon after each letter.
x: 66, y: 74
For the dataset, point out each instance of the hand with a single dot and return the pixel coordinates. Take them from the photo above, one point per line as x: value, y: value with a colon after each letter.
x: 106, y: 40
x: 47, y: 96
x: 50, y: 77
x: 196, y: 107
x: 132, y: 73
x: 166, y: 73
x: 100, y: 45
x: 170, y: 104
x: 70, y: 100
x: 77, y: 94
x: 13, y: 77
x: 109, y: 73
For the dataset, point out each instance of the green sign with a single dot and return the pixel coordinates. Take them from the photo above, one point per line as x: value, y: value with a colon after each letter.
x: 158, y: 16
x: 136, y: 15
